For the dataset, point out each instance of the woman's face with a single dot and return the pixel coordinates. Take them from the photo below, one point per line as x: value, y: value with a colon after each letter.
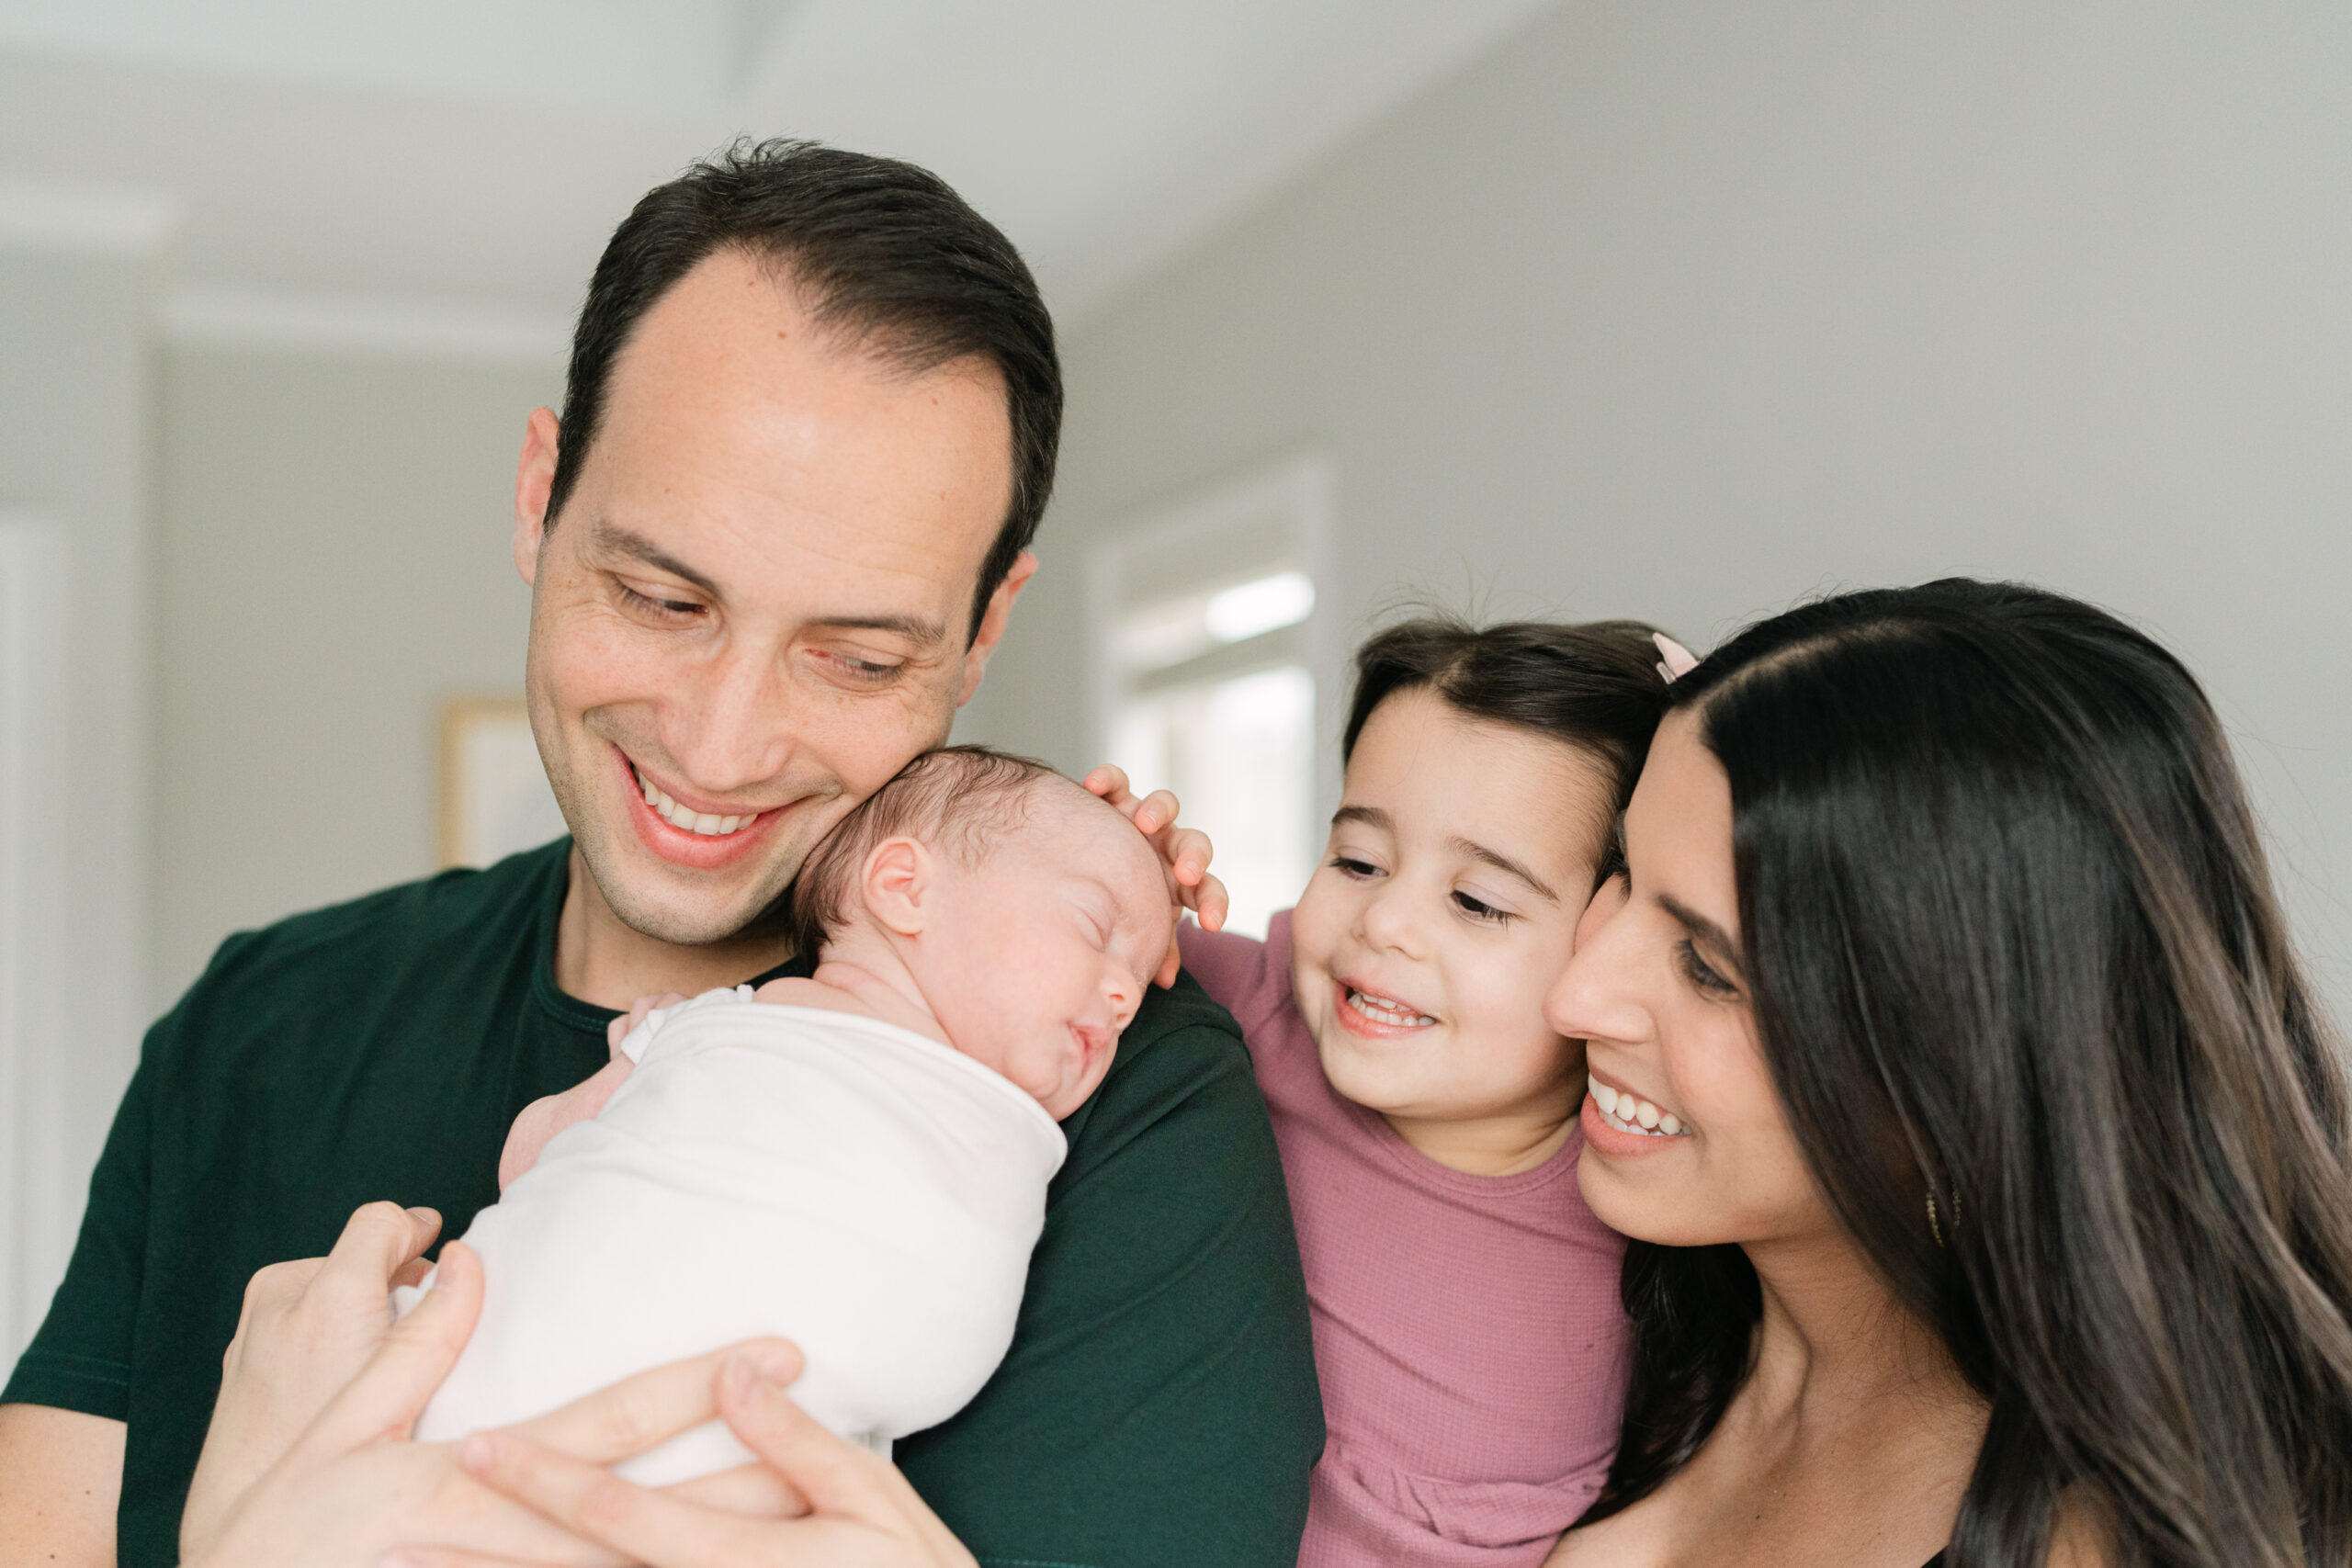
x: 1685, y: 1140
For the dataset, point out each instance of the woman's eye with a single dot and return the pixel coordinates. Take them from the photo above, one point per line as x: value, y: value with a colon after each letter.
x: 1350, y: 866
x: 1478, y: 909
x: 1703, y: 976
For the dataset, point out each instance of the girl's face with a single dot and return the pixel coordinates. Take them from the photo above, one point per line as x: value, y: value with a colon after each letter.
x: 1461, y: 857
x: 1685, y: 1140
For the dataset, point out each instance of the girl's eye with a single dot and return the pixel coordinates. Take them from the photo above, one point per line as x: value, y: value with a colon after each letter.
x: 1703, y: 976
x: 1478, y: 909
x: 660, y: 608
x: 1350, y: 866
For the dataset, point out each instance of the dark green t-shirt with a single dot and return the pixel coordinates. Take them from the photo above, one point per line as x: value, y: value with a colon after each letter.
x: 1157, y: 1406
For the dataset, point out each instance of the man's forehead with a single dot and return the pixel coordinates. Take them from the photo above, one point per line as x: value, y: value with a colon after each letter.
x: 735, y: 427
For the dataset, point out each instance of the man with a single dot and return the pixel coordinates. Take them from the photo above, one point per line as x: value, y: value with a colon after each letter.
x: 809, y: 428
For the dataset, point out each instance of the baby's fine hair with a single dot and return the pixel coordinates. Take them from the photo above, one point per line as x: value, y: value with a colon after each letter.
x: 1595, y: 686
x: 960, y: 800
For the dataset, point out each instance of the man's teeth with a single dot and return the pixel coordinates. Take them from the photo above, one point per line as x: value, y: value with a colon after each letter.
x: 708, y: 824
x: 1381, y: 1009
x: 1638, y: 1116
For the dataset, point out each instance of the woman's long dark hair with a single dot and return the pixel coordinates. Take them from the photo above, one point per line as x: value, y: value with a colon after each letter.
x: 2011, y: 943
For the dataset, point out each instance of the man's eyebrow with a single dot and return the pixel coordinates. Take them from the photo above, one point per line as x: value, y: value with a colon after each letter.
x: 636, y: 545
x: 1370, y: 815
x: 914, y: 628
x: 1704, y: 930
x: 631, y: 543
x: 1505, y: 865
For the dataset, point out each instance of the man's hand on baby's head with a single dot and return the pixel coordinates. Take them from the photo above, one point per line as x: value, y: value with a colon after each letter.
x: 618, y: 1029
x: 1184, y: 854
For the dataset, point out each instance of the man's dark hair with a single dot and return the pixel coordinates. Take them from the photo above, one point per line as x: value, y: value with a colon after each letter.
x: 883, y: 255
x: 1594, y: 686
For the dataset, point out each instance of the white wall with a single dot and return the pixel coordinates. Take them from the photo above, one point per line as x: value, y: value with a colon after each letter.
x: 1684, y: 311
x: 334, y: 564
x: 76, y: 435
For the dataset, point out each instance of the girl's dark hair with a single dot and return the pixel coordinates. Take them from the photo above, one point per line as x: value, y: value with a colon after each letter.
x: 1595, y: 686
x: 2011, y: 942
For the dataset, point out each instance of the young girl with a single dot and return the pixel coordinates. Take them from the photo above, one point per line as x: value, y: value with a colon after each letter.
x: 1468, y: 1334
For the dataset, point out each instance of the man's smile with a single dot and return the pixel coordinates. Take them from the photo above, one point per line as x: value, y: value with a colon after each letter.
x: 682, y: 835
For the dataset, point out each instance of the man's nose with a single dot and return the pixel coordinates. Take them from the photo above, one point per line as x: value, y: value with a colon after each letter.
x: 729, y: 727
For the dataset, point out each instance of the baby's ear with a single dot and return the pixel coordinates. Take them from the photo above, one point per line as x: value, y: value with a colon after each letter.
x: 897, y: 884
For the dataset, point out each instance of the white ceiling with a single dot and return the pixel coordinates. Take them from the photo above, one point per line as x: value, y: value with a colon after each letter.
x: 455, y: 165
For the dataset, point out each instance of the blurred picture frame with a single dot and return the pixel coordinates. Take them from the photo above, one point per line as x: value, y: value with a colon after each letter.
x: 494, y: 794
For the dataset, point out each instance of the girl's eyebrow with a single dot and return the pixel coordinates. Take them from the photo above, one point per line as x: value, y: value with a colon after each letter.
x: 1505, y: 865
x: 1702, y: 928
x: 1370, y: 815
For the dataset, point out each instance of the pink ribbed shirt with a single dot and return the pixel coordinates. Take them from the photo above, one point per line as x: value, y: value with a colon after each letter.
x: 1468, y: 1335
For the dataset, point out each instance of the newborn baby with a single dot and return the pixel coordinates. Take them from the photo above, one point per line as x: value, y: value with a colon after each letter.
x: 856, y: 1161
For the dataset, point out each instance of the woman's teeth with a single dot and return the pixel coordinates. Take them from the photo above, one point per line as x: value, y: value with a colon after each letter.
x: 708, y: 825
x: 1628, y: 1114
x: 1382, y: 1010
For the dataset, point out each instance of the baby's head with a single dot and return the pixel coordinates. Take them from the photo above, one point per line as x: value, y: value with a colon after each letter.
x: 1028, y: 915
x: 1487, y: 770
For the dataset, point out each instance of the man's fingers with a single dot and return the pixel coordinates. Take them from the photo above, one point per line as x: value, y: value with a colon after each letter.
x: 442, y: 1557
x: 392, y: 1390
x: 835, y: 1476
x: 590, y: 1501
x: 637, y: 1413
x: 376, y: 1242
x: 753, y: 1490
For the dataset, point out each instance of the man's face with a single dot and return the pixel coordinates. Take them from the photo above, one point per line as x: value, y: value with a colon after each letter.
x: 754, y: 608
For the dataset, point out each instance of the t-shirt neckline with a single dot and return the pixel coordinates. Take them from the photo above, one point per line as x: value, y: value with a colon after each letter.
x: 561, y: 1005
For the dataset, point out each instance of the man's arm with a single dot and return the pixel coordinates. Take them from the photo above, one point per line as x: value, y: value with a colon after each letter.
x: 63, y: 1472
x: 1159, y: 1406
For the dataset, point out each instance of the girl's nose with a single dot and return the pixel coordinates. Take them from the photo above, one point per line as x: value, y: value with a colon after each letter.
x: 1387, y: 920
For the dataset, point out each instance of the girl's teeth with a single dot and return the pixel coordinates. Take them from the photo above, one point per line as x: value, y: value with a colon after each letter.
x: 1669, y: 1125
x: 1645, y: 1113
x: 1380, y: 1010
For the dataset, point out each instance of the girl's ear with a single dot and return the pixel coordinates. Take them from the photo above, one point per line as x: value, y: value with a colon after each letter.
x: 897, y: 883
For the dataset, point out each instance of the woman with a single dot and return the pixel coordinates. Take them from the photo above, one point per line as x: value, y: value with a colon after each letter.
x: 2008, y: 1209
x: 2002, y: 1210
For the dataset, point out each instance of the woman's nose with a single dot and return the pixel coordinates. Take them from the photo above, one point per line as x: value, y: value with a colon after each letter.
x: 1596, y: 996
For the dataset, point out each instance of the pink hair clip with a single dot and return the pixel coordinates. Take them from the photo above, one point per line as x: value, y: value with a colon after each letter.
x: 1679, y: 659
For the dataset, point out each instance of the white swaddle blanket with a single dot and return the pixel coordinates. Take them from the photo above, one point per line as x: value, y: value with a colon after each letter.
x: 868, y: 1193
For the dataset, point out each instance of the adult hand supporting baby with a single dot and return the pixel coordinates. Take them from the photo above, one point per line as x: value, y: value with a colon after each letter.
x: 861, y: 1513
x: 307, y: 1328
x: 1185, y: 851
x: 344, y: 1484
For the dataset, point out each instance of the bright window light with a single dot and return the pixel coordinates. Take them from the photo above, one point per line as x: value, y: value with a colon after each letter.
x: 1251, y: 609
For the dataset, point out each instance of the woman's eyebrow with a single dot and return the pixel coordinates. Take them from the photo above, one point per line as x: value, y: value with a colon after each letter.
x: 1699, y: 926
x: 1505, y: 865
x: 1370, y: 815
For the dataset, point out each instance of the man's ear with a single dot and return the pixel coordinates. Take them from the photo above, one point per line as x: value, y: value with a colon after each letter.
x: 534, y: 479
x: 992, y: 623
x: 897, y: 883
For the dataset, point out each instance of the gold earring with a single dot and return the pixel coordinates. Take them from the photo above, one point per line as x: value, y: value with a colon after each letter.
x: 1933, y: 1228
